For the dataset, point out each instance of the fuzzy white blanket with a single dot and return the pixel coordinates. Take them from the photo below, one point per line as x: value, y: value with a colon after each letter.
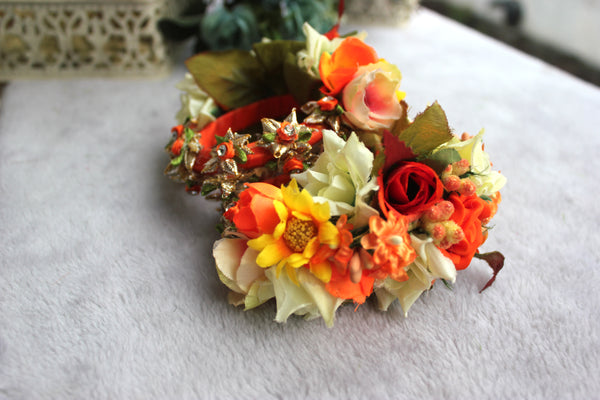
x: 108, y: 288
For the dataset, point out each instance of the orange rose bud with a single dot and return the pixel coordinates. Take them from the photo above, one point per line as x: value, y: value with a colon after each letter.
x: 327, y: 103
x: 226, y: 151
x: 176, y: 146
x: 293, y: 165
x: 177, y: 129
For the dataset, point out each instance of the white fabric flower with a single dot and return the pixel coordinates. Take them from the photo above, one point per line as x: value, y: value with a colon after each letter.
x: 195, y: 102
x: 252, y: 285
x: 309, y: 297
x: 341, y: 176
x: 237, y: 269
x: 429, y: 265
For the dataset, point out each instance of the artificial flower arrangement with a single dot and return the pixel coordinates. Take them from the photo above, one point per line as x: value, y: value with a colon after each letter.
x: 330, y: 193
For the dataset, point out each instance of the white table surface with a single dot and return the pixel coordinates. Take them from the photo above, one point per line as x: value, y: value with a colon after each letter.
x: 108, y: 287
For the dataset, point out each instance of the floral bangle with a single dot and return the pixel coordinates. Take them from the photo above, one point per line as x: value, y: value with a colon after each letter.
x: 329, y: 192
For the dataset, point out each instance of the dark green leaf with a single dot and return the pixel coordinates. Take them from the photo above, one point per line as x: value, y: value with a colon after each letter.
x: 272, y: 56
x: 305, y: 135
x: 207, y: 188
x: 179, y: 28
x: 225, y: 28
x: 300, y: 83
x: 447, y: 284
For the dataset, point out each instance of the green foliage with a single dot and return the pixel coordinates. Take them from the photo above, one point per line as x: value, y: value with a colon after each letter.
x: 429, y: 130
x: 177, y: 160
x: 230, y: 28
x: 268, y: 137
x: 304, y: 135
x: 235, y: 78
x: 239, y: 23
x: 441, y: 159
x: 241, y: 154
x: 207, y: 188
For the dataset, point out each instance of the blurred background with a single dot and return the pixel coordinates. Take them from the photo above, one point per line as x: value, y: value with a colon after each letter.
x: 563, y: 33
x: 137, y: 38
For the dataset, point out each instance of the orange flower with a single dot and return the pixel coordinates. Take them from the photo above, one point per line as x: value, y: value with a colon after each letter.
x: 469, y: 212
x: 301, y: 235
x: 341, y: 286
x: 391, y: 244
x: 254, y: 213
x: 338, y: 69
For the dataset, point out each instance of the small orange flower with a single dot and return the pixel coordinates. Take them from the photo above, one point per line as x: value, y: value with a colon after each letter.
x: 225, y: 151
x: 391, y: 244
x: 343, y: 254
x: 469, y: 213
x: 327, y: 103
x: 254, y: 213
x: 338, y: 69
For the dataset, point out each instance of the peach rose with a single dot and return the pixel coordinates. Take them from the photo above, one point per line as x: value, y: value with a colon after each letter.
x: 372, y: 98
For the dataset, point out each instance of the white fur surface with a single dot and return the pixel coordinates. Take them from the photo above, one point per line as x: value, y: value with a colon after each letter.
x: 108, y: 289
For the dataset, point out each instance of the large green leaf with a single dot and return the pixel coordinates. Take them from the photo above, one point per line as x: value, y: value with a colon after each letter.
x: 233, y: 78
x: 299, y: 82
x: 429, y: 130
x: 272, y: 56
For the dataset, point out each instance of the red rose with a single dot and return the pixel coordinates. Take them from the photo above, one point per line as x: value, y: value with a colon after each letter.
x: 409, y: 188
x: 469, y: 212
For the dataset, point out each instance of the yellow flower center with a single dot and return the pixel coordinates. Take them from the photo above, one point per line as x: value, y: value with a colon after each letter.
x: 298, y: 233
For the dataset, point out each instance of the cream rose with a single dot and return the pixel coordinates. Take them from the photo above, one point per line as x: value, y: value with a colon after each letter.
x: 195, y: 102
x: 372, y: 98
x: 237, y: 269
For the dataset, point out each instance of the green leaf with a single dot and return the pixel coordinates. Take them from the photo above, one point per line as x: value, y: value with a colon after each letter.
x: 304, y: 135
x: 233, y: 78
x: 447, y: 284
x: 299, y: 82
x: 241, y: 154
x: 177, y: 160
x: 429, y: 130
x: 439, y: 160
x: 269, y: 137
x: 229, y: 28
x: 272, y: 56
x: 207, y: 188
x: 486, y: 198
x: 220, y: 139
x: 189, y: 134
